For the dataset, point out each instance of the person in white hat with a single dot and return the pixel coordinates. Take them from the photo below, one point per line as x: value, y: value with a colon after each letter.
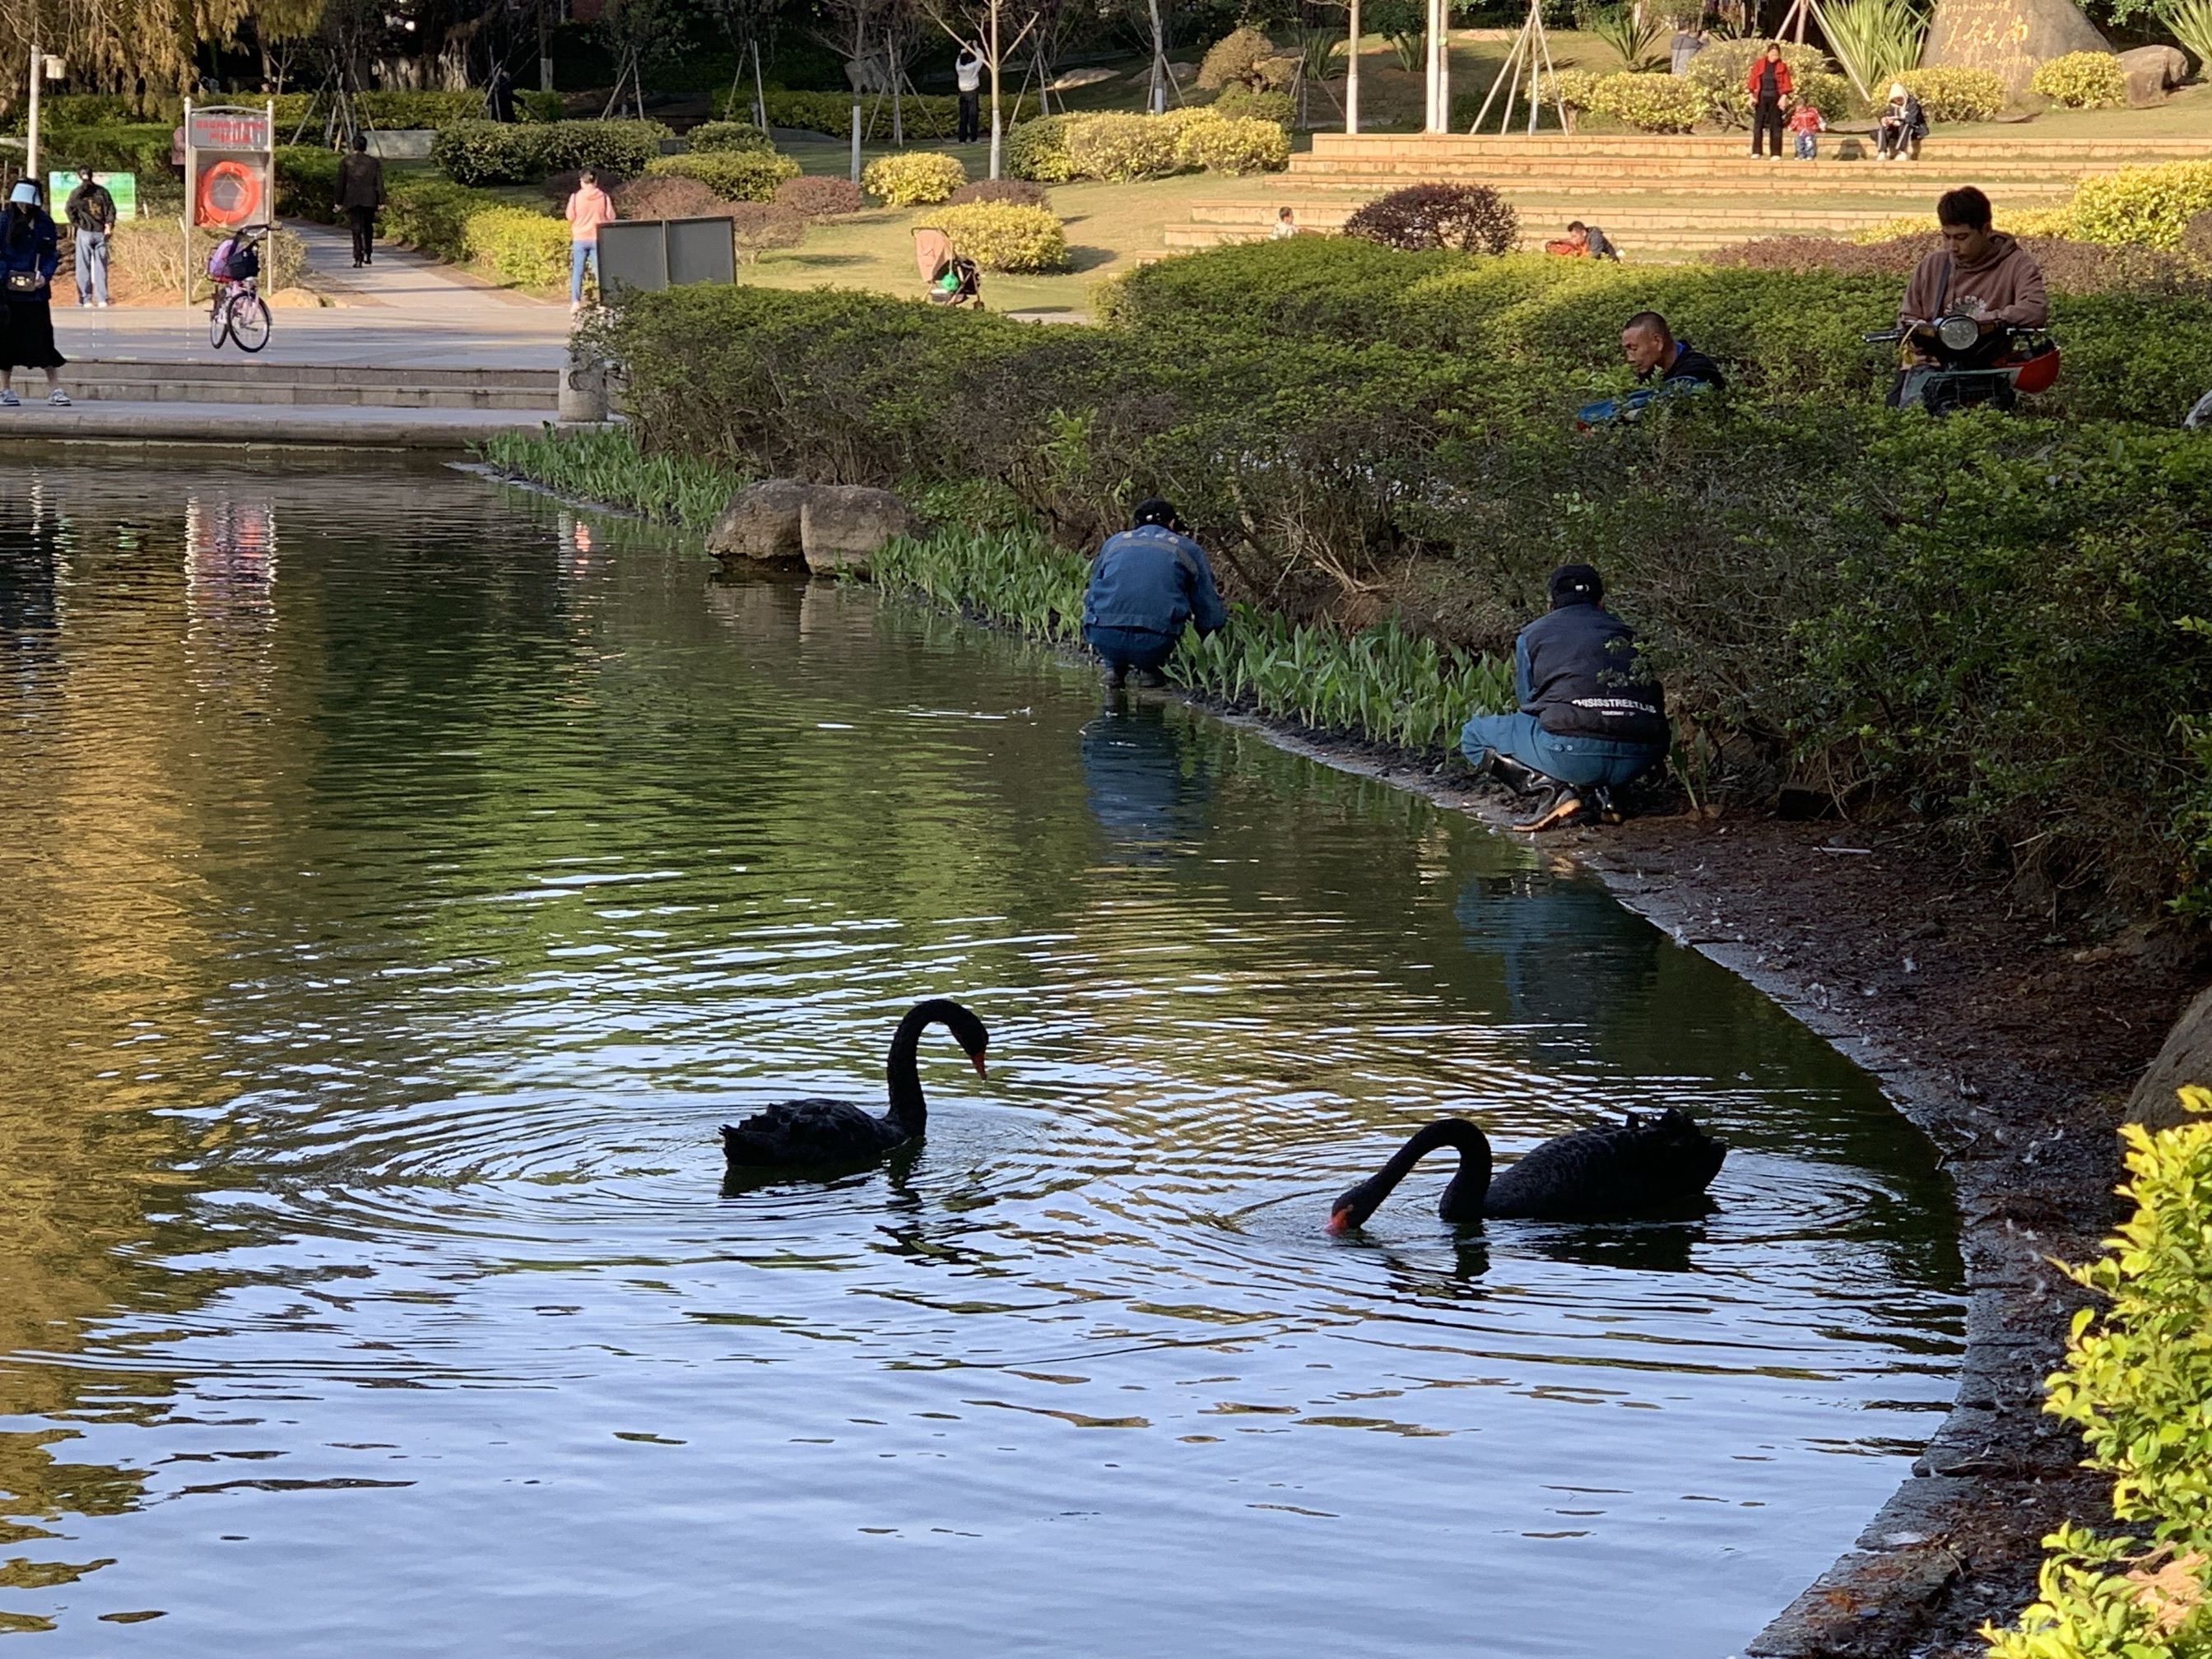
x: 1903, y: 125
x: 30, y: 251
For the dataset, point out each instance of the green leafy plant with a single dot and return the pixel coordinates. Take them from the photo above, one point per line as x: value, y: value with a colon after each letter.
x: 1003, y: 235
x: 1121, y: 148
x: 1239, y: 57
x: 1957, y: 95
x: 1719, y: 71
x: 916, y: 178
x: 1468, y: 218
x: 1632, y: 33
x: 727, y: 135
x: 1239, y: 102
x: 734, y: 175
x: 1651, y: 103
x: 2151, y: 205
x: 1875, y: 41
x: 1233, y: 147
x: 1038, y: 150
x: 523, y: 247
x: 2137, y: 1381
x: 2190, y: 22
x: 607, y: 465
x: 1405, y: 25
x: 2082, y: 80
x: 510, y: 153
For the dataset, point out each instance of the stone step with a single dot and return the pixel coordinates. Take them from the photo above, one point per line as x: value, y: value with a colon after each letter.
x: 1656, y: 147
x: 168, y: 380
x: 1330, y: 216
x: 1655, y: 245
x: 1742, y: 174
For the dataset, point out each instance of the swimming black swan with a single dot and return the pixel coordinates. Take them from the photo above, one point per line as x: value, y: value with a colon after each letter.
x: 1644, y: 1166
x: 801, y: 1132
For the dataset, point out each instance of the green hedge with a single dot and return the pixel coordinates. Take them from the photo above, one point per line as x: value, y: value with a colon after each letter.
x: 1973, y: 621
x: 735, y: 175
x: 921, y: 115
x: 496, y: 153
x: 521, y: 246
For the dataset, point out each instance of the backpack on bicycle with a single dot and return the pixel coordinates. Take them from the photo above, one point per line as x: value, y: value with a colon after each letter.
x: 235, y: 259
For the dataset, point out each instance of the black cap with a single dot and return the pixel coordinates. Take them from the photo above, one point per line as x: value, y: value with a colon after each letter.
x: 1576, y: 584
x: 1153, y: 510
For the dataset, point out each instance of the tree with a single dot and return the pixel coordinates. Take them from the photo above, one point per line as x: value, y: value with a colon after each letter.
x: 996, y: 28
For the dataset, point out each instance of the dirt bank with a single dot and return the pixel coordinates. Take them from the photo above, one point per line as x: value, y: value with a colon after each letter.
x: 2013, y: 1048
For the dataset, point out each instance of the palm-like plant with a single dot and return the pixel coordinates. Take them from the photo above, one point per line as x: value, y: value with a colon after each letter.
x: 1632, y: 35
x: 1877, y: 40
x: 2191, y: 23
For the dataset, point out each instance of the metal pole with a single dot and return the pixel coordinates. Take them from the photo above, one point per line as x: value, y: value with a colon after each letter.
x: 191, y: 169
x: 31, y: 139
x: 856, y: 134
x: 998, y: 129
x: 1352, y: 75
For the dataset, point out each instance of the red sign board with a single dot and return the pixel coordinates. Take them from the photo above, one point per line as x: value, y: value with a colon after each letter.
x: 231, y: 130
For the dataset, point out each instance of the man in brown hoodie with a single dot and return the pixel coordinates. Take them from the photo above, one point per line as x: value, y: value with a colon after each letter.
x: 1977, y: 272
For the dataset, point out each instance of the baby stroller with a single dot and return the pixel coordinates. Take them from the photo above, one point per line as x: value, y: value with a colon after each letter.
x: 952, y: 277
x: 1967, y: 365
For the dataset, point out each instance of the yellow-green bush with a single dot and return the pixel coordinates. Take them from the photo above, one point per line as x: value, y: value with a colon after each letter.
x: 1004, y: 235
x: 2138, y: 1381
x: 1717, y: 74
x: 1956, y: 94
x: 1236, y: 147
x: 735, y: 175
x: 916, y: 178
x: 2082, y: 80
x: 1239, y: 102
x: 1037, y: 150
x: 523, y: 249
x: 1649, y: 103
x: 1576, y: 88
x: 1120, y: 147
x: 2142, y: 204
x: 713, y: 135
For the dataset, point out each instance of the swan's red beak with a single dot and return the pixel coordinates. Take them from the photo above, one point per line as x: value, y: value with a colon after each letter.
x: 1339, y: 1221
x: 977, y: 1061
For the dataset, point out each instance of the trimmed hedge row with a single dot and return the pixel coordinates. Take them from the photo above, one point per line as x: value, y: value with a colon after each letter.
x: 1967, y: 620
x: 1058, y: 149
x: 499, y: 153
x: 920, y: 115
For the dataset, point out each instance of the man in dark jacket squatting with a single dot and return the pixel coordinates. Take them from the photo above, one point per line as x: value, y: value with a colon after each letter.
x: 1145, y: 584
x: 1591, y: 717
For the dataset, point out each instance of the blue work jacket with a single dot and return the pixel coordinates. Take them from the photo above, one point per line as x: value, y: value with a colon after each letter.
x: 1153, y: 579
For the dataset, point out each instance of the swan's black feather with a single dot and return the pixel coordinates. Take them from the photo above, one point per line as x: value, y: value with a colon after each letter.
x: 810, y: 1132
x: 1643, y: 1166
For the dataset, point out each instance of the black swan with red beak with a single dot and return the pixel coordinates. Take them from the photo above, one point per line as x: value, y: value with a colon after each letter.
x: 810, y: 1132
x: 1645, y: 1166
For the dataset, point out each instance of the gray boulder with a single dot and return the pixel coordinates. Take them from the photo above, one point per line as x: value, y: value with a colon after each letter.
x: 2152, y: 72
x: 763, y: 523
x: 2009, y: 37
x: 2186, y: 1058
x: 841, y: 525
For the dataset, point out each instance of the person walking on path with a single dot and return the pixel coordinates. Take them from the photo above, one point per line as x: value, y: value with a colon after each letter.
x: 91, y: 213
x: 361, y: 192
x: 1768, y: 83
x: 30, y: 253
x: 968, y: 73
x: 1146, y: 583
x: 588, y: 208
x: 1591, y: 717
x: 1688, y: 43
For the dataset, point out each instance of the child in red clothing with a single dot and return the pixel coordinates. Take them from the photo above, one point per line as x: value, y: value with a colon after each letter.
x: 1805, y: 123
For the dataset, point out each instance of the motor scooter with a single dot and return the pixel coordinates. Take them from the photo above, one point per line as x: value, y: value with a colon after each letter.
x: 1953, y: 362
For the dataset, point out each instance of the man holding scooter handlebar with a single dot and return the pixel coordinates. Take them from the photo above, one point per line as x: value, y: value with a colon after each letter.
x: 1965, y: 313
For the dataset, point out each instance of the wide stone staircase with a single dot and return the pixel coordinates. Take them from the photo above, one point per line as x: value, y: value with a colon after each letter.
x: 112, y: 380
x: 1665, y: 197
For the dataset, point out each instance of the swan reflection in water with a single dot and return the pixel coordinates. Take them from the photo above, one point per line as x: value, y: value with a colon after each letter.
x: 1146, y: 784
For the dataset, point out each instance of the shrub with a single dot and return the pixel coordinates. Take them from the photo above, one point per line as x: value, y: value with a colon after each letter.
x: 1576, y: 88
x: 2137, y: 1380
x: 760, y: 226
x: 432, y: 214
x: 1121, y: 148
x: 1471, y: 218
x: 727, y: 135
x: 1633, y: 37
x: 916, y: 178
x: 1956, y: 94
x: 497, y: 153
x: 652, y: 197
x: 308, y: 182
x: 1651, y: 103
x: 1237, y: 147
x: 813, y: 196
x: 734, y: 175
x: 1019, y: 192
x: 522, y: 247
x: 1003, y: 235
x: 1037, y: 150
x: 1236, y: 59
x: 2068, y: 267
x: 146, y: 257
x: 1717, y: 74
x: 2082, y: 80
x: 1831, y: 94
x: 920, y: 116
x: 1239, y: 102
x: 560, y: 186
x: 2152, y: 204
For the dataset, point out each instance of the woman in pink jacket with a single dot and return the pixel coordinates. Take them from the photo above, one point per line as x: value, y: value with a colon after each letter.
x: 588, y: 208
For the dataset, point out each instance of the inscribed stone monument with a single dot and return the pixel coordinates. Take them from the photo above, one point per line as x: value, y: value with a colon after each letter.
x: 2007, y: 37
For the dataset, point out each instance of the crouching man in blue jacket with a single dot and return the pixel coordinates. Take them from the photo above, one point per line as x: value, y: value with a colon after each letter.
x: 1146, y: 583
x: 1591, y: 716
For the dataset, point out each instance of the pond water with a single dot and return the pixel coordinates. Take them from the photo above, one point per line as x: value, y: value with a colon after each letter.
x: 404, y: 877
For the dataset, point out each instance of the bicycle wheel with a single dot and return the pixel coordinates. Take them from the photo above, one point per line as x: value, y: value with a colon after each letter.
x: 249, y: 321
x: 219, y: 319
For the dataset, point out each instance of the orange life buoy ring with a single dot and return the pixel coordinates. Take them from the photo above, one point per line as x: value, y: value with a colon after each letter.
x: 229, y: 194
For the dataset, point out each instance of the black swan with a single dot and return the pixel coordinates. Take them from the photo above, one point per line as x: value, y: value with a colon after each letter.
x: 823, y: 1131
x: 1644, y: 1166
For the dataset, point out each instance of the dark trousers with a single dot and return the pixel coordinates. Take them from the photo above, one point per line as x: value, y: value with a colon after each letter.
x: 1765, y: 117
x: 1131, y: 647
x: 971, y: 116
x: 363, y: 220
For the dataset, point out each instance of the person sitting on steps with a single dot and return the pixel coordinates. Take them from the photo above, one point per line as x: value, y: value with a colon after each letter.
x: 1592, y: 718
x: 1146, y: 583
x: 1902, y: 126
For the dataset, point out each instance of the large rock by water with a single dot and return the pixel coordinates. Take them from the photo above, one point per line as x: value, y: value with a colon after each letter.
x: 2008, y: 37
x: 842, y: 524
x: 2152, y: 71
x: 763, y: 523
x: 2186, y: 1058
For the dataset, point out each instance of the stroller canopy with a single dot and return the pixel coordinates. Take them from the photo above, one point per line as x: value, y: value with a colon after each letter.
x: 933, y: 251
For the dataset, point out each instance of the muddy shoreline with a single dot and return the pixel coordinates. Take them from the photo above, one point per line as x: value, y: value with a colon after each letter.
x: 2013, y: 1048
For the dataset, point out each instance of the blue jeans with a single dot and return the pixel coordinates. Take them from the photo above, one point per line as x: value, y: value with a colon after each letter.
x: 1131, y: 647
x: 1807, y: 148
x: 1584, y: 763
x: 579, y: 255
x: 92, y: 266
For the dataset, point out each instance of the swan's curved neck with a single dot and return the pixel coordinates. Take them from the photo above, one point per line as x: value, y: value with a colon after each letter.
x: 909, y: 1109
x: 1462, y: 1199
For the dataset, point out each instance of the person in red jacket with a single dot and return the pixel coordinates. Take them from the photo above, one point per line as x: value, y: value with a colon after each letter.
x: 1768, y: 83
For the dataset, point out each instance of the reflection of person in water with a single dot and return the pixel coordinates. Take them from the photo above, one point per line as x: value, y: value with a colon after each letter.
x: 1569, y: 952
x: 1142, y: 790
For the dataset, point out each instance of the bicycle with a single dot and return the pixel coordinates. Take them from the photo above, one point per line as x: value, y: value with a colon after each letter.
x: 239, y: 313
